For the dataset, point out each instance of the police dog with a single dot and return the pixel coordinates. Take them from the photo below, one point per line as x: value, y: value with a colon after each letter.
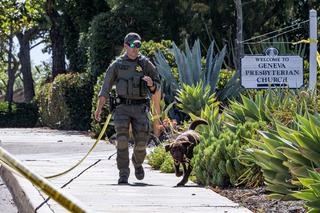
x: 182, y: 150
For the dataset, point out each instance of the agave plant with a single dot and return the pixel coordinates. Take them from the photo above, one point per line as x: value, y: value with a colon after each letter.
x: 248, y: 109
x: 287, y: 155
x: 191, y: 71
x: 194, y: 98
x: 312, y: 192
x: 277, y: 176
x: 272, y: 105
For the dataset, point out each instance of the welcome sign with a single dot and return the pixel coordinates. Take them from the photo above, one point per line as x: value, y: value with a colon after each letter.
x: 271, y: 70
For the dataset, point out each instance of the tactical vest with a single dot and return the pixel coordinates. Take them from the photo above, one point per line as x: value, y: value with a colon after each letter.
x: 129, y: 83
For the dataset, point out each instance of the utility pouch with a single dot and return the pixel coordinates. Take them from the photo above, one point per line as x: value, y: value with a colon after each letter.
x: 143, y: 88
x: 136, y: 86
x: 122, y: 87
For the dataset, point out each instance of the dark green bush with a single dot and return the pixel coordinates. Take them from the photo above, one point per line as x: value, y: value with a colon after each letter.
x: 160, y: 159
x: 216, y: 160
x: 18, y: 114
x: 109, y: 29
x: 96, y: 127
x: 65, y: 103
x: 104, y: 43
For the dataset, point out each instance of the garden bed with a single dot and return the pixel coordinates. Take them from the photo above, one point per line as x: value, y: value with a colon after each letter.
x: 256, y: 199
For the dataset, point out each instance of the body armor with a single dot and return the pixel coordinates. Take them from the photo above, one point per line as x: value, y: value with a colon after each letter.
x: 129, y: 83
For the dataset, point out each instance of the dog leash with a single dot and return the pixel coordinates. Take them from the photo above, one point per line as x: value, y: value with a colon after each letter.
x: 88, y: 153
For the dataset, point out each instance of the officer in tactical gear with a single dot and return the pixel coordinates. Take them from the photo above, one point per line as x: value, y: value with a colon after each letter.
x: 135, y: 78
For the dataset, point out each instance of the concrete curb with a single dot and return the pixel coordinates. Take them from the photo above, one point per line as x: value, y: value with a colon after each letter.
x: 25, y: 202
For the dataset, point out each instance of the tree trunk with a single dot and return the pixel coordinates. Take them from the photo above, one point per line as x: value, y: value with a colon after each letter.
x: 9, y: 92
x: 58, y: 54
x: 56, y: 37
x: 24, y: 56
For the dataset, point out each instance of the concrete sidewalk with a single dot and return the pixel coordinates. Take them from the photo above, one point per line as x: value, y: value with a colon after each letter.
x: 48, y: 152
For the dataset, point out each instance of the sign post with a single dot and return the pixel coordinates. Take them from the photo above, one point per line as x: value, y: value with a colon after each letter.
x: 313, y: 50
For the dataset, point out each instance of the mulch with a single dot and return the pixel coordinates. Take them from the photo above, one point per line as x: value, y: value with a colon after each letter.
x: 256, y: 200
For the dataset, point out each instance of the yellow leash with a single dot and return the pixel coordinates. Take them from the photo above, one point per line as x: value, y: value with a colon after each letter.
x: 94, y: 145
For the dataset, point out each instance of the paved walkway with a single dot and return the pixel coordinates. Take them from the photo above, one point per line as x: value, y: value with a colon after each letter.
x: 48, y: 151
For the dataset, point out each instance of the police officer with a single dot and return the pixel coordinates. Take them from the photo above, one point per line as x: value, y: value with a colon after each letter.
x: 135, y: 78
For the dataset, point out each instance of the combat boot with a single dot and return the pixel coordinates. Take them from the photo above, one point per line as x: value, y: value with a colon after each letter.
x: 123, y: 180
x: 139, y: 172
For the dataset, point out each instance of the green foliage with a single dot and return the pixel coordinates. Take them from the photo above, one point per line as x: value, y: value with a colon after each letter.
x: 109, y: 29
x: 167, y: 165
x: 102, y: 48
x: 216, y: 160
x: 194, y: 98
x: 282, y: 44
x: 64, y: 103
x: 160, y: 159
x: 18, y: 16
x: 96, y: 126
x: 312, y: 192
x: 18, y: 114
x: 306, y: 74
x: 224, y: 76
x: 149, y: 48
x: 191, y: 71
x: 272, y: 105
x: 288, y: 154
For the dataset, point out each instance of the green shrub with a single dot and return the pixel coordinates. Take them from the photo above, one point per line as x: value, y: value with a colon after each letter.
x: 167, y: 165
x: 216, y: 160
x: 18, y: 114
x: 160, y: 159
x: 96, y: 126
x: 224, y: 76
x: 65, y: 103
x: 104, y: 42
x: 109, y: 29
x: 149, y: 49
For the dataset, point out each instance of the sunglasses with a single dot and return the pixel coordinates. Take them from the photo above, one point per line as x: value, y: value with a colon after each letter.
x: 134, y: 45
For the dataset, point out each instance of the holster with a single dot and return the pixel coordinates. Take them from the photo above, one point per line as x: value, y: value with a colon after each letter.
x: 112, y: 101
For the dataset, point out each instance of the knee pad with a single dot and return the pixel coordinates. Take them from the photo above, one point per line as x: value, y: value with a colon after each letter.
x: 140, y: 146
x: 122, y: 142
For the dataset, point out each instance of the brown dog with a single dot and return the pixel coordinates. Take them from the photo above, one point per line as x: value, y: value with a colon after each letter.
x: 182, y: 150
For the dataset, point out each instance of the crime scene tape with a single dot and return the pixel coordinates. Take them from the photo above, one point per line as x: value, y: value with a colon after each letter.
x: 308, y: 41
x: 88, y: 153
x: 66, y: 200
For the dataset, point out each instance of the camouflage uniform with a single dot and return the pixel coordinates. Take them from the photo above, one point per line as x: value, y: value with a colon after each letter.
x: 133, y: 94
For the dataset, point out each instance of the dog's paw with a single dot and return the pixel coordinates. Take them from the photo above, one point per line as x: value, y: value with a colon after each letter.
x: 179, y: 174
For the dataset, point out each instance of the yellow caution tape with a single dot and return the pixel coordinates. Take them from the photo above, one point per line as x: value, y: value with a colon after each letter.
x: 68, y: 202
x: 308, y: 41
x: 94, y: 145
x: 13, y: 164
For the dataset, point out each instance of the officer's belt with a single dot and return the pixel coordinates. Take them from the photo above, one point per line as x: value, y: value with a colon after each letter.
x: 132, y: 101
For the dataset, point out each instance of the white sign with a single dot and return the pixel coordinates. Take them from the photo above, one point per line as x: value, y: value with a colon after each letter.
x: 270, y: 71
